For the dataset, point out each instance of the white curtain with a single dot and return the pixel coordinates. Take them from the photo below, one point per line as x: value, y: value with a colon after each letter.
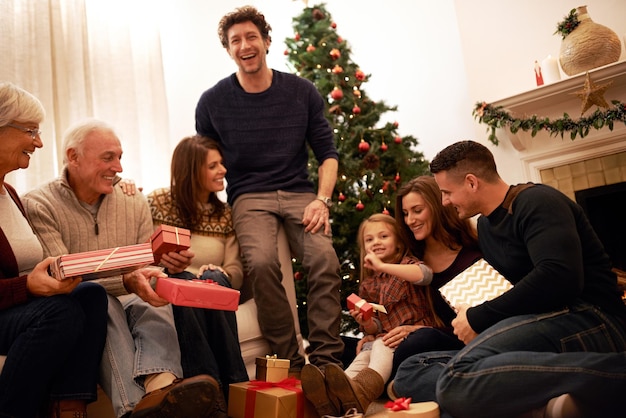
x: 88, y: 58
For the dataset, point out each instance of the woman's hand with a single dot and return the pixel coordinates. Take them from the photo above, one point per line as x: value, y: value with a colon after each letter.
x: 40, y: 283
x: 128, y: 186
x: 211, y: 267
x: 394, y: 337
x: 176, y: 262
x: 366, y: 339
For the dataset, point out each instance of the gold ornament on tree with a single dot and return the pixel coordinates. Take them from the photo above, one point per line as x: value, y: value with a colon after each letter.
x: 586, y: 45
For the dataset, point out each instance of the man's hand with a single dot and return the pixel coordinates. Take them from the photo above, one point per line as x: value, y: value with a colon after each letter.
x: 316, y: 216
x: 138, y: 282
x: 462, y: 328
x: 40, y: 283
x: 175, y: 262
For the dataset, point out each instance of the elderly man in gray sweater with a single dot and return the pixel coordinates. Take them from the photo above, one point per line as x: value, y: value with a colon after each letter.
x: 82, y: 210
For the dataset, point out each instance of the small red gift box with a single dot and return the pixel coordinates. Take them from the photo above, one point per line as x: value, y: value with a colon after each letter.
x: 102, y: 263
x: 167, y: 238
x: 258, y: 399
x: 198, y: 294
x: 355, y: 302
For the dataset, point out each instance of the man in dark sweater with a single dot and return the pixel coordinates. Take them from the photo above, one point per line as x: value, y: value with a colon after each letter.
x: 553, y: 345
x: 265, y: 121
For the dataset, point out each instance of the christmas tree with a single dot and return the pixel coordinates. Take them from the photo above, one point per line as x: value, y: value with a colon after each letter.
x: 373, y: 158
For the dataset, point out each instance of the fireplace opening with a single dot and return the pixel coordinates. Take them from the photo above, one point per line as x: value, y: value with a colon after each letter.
x: 605, y: 208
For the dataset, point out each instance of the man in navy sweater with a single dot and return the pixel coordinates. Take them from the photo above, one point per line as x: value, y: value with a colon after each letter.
x: 265, y: 121
x: 553, y: 345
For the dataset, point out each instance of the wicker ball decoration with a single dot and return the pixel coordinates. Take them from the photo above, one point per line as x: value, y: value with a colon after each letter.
x: 589, y: 46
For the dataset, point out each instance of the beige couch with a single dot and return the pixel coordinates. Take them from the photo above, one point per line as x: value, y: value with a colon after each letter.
x: 252, y: 343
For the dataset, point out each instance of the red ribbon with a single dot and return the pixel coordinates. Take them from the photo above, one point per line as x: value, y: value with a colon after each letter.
x: 400, y: 404
x: 289, y: 383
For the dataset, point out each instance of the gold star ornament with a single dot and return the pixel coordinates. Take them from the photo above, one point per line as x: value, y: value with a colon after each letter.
x: 592, y: 94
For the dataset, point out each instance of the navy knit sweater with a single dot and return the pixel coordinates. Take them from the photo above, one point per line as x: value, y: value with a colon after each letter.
x: 264, y: 135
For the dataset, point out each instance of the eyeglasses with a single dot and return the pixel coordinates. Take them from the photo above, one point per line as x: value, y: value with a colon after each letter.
x: 34, y: 133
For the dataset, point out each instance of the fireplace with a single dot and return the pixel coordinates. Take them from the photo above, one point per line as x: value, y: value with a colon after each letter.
x: 604, y: 207
x: 589, y: 170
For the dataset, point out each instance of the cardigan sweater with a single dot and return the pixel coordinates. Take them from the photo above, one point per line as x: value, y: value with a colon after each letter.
x: 264, y: 135
x: 213, y: 240
x: 13, y: 290
x: 65, y: 226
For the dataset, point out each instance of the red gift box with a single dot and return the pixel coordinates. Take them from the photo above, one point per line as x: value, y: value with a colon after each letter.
x: 258, y: 399
x: 198, y: 294
x: 355, y: 302
x: 167, y: 238
x: 102, y: 263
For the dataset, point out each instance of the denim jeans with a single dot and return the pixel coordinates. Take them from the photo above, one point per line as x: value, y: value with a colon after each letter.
x: 53, y: 347
x: 522, y: 362
x: 257, y: 218
x: 209, y: 340
x: 141, y: 340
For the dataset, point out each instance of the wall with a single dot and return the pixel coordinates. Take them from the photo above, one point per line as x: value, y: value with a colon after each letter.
x: 433, y: 59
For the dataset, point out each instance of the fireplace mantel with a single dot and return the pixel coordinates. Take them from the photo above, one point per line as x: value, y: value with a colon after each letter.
x: 552, y: 101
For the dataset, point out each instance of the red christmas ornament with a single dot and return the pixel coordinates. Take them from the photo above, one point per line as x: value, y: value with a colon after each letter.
x: 297, y: 36
x: 356, y: 110
x: 397, y: 179
x: 395, y: 124
x: 336, y: 94
x: 383, y: 147
x: 310, y: 48
x: 359, y: 206
x: 385, y: 211
x: 360, y: 75
x: 385, y: 185
x: 337, y: 69
x: 335, y: 53
x: 339, y: 39
x: 364, y: 146
x: 333, y: 25
x: 286, y: 52
x: 297, y: 275
x: 397, y: 140
x: 341, y: 197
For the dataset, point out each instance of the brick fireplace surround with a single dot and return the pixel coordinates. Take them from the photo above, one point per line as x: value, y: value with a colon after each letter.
x: 598, y: 159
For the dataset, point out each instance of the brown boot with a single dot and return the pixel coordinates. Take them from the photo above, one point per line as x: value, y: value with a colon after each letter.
x: 358, y: 392
x: 314, y: 388
x: 68, y: 408
x: 192, y: 397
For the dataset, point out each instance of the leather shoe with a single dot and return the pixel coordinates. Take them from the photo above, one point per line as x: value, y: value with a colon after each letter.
x: 193, y: 397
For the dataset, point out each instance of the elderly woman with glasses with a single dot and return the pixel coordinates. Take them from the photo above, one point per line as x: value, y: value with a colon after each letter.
x: 52, y: 332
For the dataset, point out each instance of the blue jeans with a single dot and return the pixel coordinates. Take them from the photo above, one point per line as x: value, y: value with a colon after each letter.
x: 141, y: 340
x: 257, y: 218
x: 53, y: 347
x: 522, y: 362
x: 209, y: 340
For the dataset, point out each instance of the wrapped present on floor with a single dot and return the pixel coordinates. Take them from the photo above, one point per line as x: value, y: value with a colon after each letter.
x: 258, y: 399
x: 271, y: 368
x: 102, y: 263
x: 205, y: 294
x: 366, y: 308
x: 402, y: 407
x: 167, y: 238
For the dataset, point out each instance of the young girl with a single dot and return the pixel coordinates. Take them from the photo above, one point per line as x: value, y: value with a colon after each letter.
x: 389, y: 276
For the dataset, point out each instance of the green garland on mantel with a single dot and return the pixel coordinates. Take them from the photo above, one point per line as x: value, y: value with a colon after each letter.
x: 496, y: 117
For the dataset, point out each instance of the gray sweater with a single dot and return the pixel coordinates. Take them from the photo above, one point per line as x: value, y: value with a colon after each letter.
x: 64, y: 226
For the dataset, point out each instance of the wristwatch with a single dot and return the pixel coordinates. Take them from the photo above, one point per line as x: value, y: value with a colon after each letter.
x: 327, y: 201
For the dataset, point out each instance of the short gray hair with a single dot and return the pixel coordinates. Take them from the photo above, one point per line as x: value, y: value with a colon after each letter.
x: 75, y: 135
x: 16, y: 104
